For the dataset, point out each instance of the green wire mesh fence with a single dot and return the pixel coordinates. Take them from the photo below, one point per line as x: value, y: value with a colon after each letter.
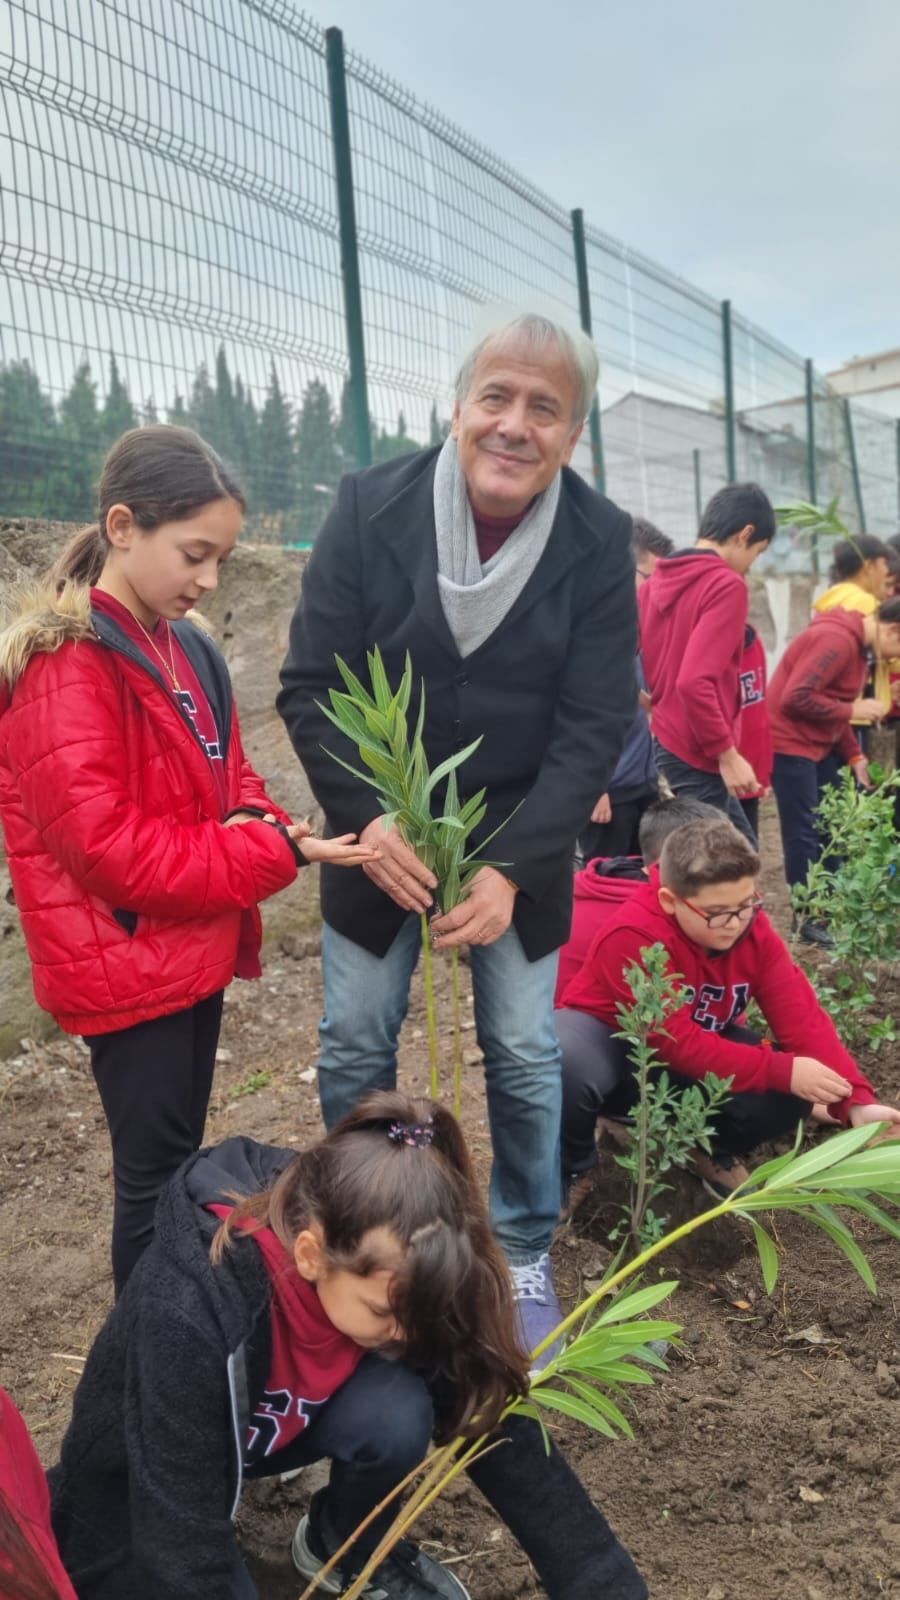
x: 173, y: 244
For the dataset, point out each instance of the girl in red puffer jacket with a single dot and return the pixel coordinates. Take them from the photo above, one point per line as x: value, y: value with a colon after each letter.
x: 140, y: 839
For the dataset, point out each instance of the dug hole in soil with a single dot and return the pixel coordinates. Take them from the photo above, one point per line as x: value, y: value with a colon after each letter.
x: 765, y: 1464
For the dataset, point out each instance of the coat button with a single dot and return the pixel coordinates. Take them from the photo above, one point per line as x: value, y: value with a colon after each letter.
x: 461, y: 680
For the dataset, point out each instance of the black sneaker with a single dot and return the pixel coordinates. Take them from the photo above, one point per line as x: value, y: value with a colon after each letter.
x: 407, y: 1574
x: 815, y: 933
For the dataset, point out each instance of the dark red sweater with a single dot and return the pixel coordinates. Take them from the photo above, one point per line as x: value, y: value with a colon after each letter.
x: 599, y: 890
x: 756, y: 735
x: 692, y: 617
x: 815, y: 684
x: 718, y: 989
x: 24, y: 1487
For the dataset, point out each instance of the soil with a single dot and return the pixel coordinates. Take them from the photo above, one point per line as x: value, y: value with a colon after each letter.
x: 767, y: 1463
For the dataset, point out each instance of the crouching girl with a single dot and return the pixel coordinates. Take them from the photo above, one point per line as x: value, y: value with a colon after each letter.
x: 258, y: 1334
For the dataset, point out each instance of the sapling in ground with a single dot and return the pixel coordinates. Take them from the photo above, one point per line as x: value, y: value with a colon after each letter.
x: 668, y: 1122
x: 854, y: 889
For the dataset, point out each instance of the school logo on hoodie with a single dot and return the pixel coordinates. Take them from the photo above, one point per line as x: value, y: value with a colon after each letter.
x: 275, y: 1415
x: 707, y: 1006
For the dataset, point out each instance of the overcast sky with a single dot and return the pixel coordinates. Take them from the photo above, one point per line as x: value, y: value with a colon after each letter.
x: 753, y: 149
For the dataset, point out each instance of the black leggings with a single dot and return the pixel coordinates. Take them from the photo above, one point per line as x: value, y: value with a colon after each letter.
x: 379, y: 1425
x: 598, y: 1079
x: 154, y: 1081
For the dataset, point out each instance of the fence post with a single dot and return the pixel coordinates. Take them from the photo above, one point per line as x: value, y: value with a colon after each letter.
x: 584, y: 304
x: 698, y: 497
x: 730, y: 450
x: 343, y: 172
x: 854, y: 466
x: 811, y: 453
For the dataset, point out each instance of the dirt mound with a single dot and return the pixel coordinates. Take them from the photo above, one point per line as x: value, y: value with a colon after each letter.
x: 250, y: 615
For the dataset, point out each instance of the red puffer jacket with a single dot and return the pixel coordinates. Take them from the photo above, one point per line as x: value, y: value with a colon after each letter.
x: 135, y: 900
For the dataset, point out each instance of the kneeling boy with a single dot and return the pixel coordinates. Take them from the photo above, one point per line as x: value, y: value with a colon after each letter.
x: 701, y: 903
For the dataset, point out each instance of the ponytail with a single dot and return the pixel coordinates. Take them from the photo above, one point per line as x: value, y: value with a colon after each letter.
x: 402, y: 1165
x: 82, y: 560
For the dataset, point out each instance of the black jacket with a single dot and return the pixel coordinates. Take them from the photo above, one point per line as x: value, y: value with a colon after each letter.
x: 151, y: 1468
x: 552, y: 690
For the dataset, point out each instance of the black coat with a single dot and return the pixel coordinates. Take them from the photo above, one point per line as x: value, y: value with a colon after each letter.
x: 552, y: 690
x: 151, y: 1469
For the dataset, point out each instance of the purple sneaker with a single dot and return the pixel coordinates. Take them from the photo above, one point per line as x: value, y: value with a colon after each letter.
x: 538, y: 1311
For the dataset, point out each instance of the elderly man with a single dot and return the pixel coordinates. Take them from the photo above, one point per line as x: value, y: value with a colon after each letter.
x: 511, y: 584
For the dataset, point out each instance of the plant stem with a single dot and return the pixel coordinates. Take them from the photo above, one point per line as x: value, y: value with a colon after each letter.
x: 428, y: 969
x: 639, y: 1204
x: 457, y: 1034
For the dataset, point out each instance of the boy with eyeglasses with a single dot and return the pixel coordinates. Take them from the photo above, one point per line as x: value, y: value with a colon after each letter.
x: 702, y: 904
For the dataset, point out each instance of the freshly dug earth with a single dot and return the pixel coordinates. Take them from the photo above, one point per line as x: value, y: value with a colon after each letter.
x: 767, y: 1463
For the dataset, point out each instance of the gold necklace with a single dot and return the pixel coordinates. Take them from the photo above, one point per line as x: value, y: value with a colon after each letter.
x: 170, y: 664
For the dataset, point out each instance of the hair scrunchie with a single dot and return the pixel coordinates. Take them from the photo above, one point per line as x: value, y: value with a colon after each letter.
x: 417, y: 1134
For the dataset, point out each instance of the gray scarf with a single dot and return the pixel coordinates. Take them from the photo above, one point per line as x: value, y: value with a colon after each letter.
x: 476, y: 598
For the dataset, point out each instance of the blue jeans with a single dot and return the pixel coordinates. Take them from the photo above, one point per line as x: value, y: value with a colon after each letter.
x: 708, y: 786
x: 799, y: 783
x: 366, y: 1000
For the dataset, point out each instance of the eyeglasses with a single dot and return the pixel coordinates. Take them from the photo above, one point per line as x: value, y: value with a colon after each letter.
x: 723, y: 919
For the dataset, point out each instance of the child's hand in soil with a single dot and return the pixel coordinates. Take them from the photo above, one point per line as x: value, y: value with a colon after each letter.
x: 877, y: 1113
x: 344, y: 851
x: 812, y: 1080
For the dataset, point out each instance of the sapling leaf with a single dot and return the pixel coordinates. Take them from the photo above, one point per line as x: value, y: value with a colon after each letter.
x: 822, y: 1157
x: 631, y: 1305
x: 768, y: 1255
x: 363, y: 777
x: 571, y: 1406
x: 353, y: 683
x: 450, y: 765
x: 831, y: 1223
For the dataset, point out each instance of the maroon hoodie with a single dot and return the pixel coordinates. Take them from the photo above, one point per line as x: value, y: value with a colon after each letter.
x: 599, y: 889
x: 718, y: 987
x: 692, y: 616
x: 816, y: 682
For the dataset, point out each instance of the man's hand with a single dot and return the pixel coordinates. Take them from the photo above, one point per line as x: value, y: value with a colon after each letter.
x: 482, y: 918
x: 398, y: 870
x: 877, y: 1113
x: 602, y: 811
x: 869, y: 710
x: 737, y: 774
x: 812, y: 1080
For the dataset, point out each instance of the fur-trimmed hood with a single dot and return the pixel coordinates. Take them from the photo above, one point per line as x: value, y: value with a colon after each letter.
x: 40, y: 620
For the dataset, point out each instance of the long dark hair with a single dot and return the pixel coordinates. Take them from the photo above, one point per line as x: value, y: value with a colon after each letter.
x: 849, y: 556
x: 453, y: 1294
x: 23, y: 1575
x: 162, y: 474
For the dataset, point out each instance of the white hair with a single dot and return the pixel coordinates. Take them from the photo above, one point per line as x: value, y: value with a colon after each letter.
x: 539, y: 334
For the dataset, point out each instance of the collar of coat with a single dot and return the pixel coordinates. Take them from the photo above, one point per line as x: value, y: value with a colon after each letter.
x: 43, y: 619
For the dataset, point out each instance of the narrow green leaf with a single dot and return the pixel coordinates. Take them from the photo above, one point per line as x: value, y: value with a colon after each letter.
x: 830, y: 1223
x: 835, y: 1149
x: 628, y: 1306
x: 768, y: 1255
x: 571, y: 1406
x: 451, y: 763
x: 353, y: 683
x: 595, y: 1397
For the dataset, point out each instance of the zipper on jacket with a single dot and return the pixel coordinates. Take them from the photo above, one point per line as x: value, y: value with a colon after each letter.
x: 137, y: 657
x: 236, y: 1428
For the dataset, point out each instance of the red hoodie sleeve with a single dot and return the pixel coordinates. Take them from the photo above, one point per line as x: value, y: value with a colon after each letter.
x: 685, y: 1047
x: 707, y: 660
x: 791, y: 1008
x: 24, y: 1485
x: 254, y: 794
x: 806, y: 693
